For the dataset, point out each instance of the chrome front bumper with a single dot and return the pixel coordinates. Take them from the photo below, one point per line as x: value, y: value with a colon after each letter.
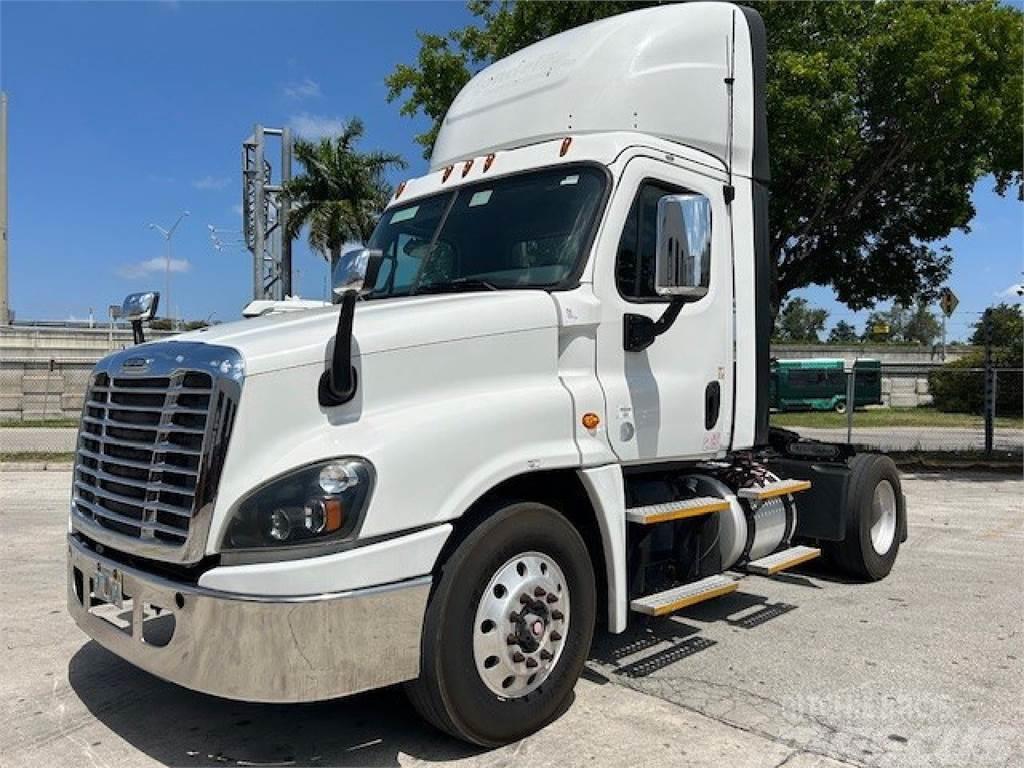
x: 249, y: 648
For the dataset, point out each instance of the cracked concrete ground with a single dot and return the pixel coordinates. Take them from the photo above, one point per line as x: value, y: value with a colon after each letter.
x: 923, y: 669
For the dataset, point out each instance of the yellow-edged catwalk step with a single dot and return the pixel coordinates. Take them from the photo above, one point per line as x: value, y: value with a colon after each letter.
x: 662, y: 603
x: 676, y: 510
x: 773, y: 490
x: 782, y: 560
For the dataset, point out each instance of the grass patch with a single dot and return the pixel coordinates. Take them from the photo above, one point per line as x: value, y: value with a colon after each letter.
x: 40, y: 423
x: 890, y: 417
x: 37, y: 456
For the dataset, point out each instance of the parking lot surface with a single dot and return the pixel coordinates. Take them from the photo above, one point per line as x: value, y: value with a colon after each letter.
x: 922, y: 669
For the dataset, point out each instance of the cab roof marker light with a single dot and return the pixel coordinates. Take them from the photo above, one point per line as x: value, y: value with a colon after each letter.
x: 447, y: 172
x: 565, y: 146
x: 488, y: 162
x: 400, y: 190
x: 466, y: 166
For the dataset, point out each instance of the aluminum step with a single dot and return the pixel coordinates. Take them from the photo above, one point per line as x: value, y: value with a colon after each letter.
x: 676, y: 510
x: 661, y: 603
x: 782, y: 560
x: 773, y: 490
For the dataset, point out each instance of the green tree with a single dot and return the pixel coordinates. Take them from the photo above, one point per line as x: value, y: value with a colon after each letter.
x: 341, y: 192
x: 800, y: 322
x: 843, y: 333
x: 904, y: 325
x: 882, y: 117
x: 919, y: 325
x: 1007, y: 327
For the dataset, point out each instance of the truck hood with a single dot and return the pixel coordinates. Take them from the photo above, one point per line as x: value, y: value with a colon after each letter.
x: 293, y: 339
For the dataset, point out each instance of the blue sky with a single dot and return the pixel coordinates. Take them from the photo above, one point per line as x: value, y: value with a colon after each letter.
x: 122, y: 114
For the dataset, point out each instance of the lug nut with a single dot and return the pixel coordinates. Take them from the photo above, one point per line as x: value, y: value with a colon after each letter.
x: 552, y: 597
x: 514, y: 617
x: 555, y: 635
x: 518, y: 657
x: 545, y: 655
x: 539, y: 592
x: 531, y: 662
x: 557, y: 615
x: 524, y: 599
x: 512, y: 640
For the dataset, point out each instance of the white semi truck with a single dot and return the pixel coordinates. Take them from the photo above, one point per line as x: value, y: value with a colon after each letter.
x: 539, y: 405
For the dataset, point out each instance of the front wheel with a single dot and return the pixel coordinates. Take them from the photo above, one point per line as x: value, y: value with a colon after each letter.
x: 508, y: 628
x: 840, y: 406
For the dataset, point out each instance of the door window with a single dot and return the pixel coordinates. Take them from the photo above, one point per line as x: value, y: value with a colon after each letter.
x: 634, y: 265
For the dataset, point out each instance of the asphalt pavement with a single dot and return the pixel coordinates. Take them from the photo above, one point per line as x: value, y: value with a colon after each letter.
x: 922, y: 669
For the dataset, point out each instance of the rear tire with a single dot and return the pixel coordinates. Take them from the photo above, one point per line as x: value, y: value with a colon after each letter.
x: 876, y: 519
x: 466, y: 653
x: 840, y: 406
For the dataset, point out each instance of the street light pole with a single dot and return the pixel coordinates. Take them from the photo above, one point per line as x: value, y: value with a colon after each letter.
x: 168, y: 234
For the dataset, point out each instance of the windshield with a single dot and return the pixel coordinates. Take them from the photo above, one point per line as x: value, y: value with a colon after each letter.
x: 523, y: 231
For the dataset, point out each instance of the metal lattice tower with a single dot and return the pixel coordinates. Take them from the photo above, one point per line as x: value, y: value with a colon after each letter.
x: 265, y: 214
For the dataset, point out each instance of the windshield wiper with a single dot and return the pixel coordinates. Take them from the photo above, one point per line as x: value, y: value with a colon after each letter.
x: 458, y: 285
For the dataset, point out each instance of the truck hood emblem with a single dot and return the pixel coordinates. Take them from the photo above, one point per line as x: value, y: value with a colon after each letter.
x: 136, y: 364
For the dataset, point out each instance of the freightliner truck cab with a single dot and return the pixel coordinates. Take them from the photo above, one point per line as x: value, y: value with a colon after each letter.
x: 540, y: 405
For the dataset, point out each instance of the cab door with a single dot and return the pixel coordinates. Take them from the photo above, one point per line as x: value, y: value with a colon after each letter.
x: 673, y: 400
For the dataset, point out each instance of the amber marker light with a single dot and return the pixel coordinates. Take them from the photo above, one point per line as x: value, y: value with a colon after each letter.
x: 447, y: 172
x: 591, y: 420
x: 465, y: 167
x: 565, y: 146
x: 400, y: 190
x: 334, y: 515
x: 488, y: 162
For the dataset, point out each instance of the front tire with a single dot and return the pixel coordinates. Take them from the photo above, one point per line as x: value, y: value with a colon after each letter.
x: 876, y: 519
x: 508, y: 627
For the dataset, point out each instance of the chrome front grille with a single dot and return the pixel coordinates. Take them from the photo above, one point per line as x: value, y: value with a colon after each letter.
x: 151, y: 445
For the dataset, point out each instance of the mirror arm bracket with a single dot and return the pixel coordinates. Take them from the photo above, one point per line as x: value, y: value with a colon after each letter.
x: 138, y: 337
x: 338, y: 382
x: 639, y: 331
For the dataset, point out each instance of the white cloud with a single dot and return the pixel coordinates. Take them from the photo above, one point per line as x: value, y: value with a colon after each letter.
x: 316, y: 126
x: 1013, y: 292
x: 212, y: 182
x: 156, y: 265
x: 306, y: 88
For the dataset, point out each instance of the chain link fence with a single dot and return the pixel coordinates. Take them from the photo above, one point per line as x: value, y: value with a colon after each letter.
x: 924, y: 410
x: 40, y: 405
x: 941, y: 410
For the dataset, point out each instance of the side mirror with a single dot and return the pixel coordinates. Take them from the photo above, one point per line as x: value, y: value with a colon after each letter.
x: 140, y: 306
x: 356, y: 270
x: 683, y: 256
x: 682, y: 266
x: 353, y: 275
x: 137, y: 308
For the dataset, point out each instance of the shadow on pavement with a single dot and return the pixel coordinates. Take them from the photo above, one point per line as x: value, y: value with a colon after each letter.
x: 176, y: 726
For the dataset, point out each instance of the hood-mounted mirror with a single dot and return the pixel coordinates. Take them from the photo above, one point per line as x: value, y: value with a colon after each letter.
x: 137, y: 308
x: 354, y: 274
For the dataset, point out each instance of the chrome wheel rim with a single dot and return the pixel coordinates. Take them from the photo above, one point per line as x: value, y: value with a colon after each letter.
x: 883, y: 517
x: 522, y: 622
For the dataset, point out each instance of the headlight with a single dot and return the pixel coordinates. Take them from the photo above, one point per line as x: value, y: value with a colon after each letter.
x: 321, y: 503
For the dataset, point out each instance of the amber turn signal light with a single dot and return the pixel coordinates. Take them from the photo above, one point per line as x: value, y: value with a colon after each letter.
x: 591, y: 420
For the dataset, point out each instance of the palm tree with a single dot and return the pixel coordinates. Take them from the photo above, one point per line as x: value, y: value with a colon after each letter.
x: 342, y: 192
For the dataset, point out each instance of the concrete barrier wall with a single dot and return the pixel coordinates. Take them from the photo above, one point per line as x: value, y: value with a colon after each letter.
x: 44, y: 370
